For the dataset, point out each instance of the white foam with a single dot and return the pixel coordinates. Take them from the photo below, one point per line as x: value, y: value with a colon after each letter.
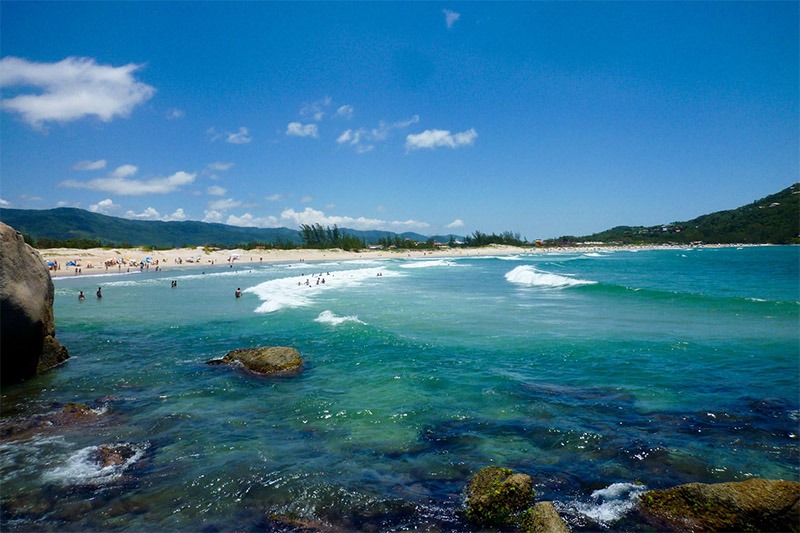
x: 82, y: 468
x: 327, y: 317
x: 428, y: 263
x: 528, y: 275
x: 300, y: 291
x: 609, y: 504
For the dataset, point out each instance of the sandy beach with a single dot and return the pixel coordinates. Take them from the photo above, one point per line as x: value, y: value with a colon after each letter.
x: 94, y: 261
x: 122, y: 260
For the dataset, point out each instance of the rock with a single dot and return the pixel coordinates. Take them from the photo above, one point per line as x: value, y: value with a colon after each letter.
x: 266, y: 360
x: 114, y: 454
x: 495, y: 496
x: 27, y: 330
x: 752, y: 505
x: 72, y: 415
x: 543, y: 518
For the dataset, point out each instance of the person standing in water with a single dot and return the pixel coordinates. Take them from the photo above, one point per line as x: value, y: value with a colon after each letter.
x: 99, y: 293
x: 81, y: 297
x: 238, y: 293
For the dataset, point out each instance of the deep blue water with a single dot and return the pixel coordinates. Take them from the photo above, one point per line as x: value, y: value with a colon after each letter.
x: 600, y: 375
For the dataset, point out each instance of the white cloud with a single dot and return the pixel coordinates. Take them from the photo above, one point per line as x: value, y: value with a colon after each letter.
x: 240, y: 137
x: 148, y: 214
x: 103, y: 206
x: 175, y: 113
x: 306, y: 199
x: 71, y: 89
x: 118, y: 183
x: 212, y: 216
x: 295, y: 129
x: 90, y: 165
x: 249, y: 221
x: 430, y: 139
x: 316, y: 110
x: 457, y: 223
x: 216, y: 190
x: 274, y: 197
x: 292, y: 218
x: 224, y: 204
x: 363, y: 140
x: 177, y: 215
x: 220, y: 166
x: 4, y: 203
x: 345, y: 111
x: 450, y: 17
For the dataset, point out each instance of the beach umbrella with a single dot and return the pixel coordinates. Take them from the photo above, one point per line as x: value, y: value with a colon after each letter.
x: 51, y: 263
x: 70, y: 263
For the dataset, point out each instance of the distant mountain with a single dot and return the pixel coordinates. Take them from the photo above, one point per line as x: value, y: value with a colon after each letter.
x: 774, y: 219
x: 68, y: 223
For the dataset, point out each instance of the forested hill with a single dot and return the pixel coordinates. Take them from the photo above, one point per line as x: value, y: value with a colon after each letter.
x: 80, y: 228
x: 771, y: 220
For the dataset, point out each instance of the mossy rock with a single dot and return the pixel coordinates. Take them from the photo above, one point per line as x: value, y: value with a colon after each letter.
x: 266, y: 360
x: 496, y: 496
x: 752, y: 505
x: 543, y: 518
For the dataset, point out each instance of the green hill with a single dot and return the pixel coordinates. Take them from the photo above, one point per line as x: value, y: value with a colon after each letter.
x: 81, y: 228
x: 771, y: 220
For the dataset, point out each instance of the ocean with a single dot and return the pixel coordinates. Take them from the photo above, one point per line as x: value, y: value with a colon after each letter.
x: 600, y: 374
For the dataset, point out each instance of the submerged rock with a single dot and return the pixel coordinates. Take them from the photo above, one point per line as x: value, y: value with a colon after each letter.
x: 752, y: 505
x: 496, y: 495
x: 27, y: 330
x: 266, y: 360
x: 72, y: 415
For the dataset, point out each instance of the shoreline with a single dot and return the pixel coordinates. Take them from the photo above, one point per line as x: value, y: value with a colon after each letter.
x: 93, y: 261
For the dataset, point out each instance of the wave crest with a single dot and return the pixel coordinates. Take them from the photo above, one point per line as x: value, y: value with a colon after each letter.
x: 528, y: 275
x: 327, y: 317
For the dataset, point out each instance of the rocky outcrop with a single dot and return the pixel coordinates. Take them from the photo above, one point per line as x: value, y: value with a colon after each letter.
x: 752, y: 505
x: 27, y: 329
x: 496, y: 496
x: 72, y: 415
x: 266, y: 360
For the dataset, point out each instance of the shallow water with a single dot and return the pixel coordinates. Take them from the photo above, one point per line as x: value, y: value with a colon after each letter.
x: 598, y: 374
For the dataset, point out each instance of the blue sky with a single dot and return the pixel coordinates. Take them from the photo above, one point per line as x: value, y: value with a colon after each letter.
x: 543, y: 118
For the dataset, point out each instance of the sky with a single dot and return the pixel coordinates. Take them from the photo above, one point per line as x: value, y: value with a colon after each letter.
x: 539, y: 118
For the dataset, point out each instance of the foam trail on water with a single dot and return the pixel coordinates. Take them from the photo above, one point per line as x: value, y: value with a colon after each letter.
x: 427, y: 263
x: 327, y: 317
x: 610, y: 504
x: 84, y: 468
x: 528, y: 275
x: 300, y: 291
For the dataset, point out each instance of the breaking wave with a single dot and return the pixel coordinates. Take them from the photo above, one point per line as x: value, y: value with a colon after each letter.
x: 528, y: 275
x: 607, y: 505
x: 327, y: 317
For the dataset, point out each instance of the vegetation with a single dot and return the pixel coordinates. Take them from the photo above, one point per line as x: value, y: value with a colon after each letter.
x: 315, y: 236
x: 771, y: 220
x: 479, y: 239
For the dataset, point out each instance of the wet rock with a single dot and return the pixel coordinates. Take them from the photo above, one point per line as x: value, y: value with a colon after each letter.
x: 543, y: 518
x: 496, y: 496
x: 266, y: 360
x: 114, y: 455
x: 752, y: 505
x: 71, y: 415
x: 27, y: 330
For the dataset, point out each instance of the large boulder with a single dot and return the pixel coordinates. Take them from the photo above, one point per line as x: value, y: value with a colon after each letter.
x: 497, y: 496
x: 27, y: 329
x: 266, y: 360
x: 752, y: 505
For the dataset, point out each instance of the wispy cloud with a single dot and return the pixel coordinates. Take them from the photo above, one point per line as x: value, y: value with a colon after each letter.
x: 216, y: 190
x: 450, y: 17
x: 345, y: 111
x: 175, y: 113
x: 240, y: 137
x: 431, y: 139
x: 296, y: 129
x: 71, y: 89
x: 90, y: 165
x: 4, y: 203
x: 363, y: 140
x: 224, y: 204
x: 316, y: 110
x: 152, y: 214
x: 274, y: 197
x: 119, y: 183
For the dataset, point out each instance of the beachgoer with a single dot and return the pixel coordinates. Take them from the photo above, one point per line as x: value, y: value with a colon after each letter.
x: 81, y: 297
x: 99, y: 292
x: 238, y: 293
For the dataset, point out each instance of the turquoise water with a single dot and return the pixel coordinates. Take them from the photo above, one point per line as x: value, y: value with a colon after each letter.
x: 598, y: 374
